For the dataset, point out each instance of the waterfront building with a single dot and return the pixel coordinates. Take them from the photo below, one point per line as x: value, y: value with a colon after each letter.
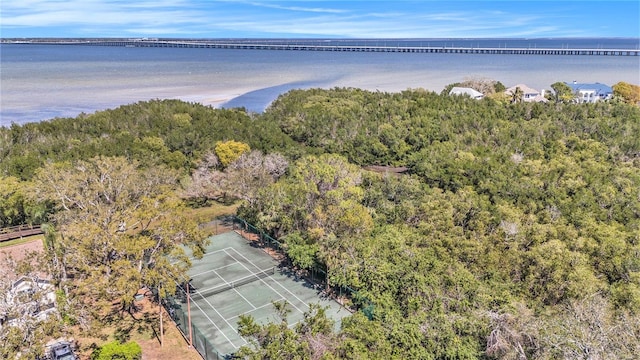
x: 528, y: 94
x: 589, y: 93
x: 474, y: 94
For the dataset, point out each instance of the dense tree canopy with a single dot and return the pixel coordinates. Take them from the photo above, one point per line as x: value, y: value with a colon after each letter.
x: 508, y: 211
x: 169, y: 132
x: 513, y: 230
x: 629, y: 93
x: 116, y: 229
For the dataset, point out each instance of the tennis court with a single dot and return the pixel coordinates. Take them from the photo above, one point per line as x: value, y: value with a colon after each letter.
x: 235, y: 278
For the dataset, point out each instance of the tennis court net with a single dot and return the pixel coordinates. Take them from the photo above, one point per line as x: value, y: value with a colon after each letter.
x: 233, y: 284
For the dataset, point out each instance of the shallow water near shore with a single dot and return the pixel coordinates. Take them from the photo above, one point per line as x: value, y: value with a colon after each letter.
x: 40, y: 82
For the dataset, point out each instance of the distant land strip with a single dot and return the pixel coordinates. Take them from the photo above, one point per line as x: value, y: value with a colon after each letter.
x: 321, y: 46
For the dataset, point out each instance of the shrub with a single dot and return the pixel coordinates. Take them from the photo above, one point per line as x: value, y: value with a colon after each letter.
x: 117, y: 351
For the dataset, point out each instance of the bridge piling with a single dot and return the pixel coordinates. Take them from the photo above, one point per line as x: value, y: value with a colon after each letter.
x: 212, y: 44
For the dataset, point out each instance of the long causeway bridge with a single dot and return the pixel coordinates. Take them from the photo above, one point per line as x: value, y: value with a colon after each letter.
x: 224, y: 44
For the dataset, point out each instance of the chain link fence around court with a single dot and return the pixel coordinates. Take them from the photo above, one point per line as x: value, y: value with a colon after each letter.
x: 200, y: 342
x: 316, y: 274
x: 173, y: 304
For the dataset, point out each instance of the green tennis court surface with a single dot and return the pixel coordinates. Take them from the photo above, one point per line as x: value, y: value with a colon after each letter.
x: 235, y: 278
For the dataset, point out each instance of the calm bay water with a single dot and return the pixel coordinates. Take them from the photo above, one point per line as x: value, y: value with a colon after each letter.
x: 40, y: 82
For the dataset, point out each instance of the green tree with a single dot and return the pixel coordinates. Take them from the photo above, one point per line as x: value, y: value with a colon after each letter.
x: 630, y: 93
x: 16, y: 208
x: 362, y: 338
x: 335, y: 216
x: 562, y: 92
x: 554, y: 273
x: 118, y: 228
x: 312, y: 338
x: 229, y: 151
x: 12, y: 202
x: 448, y: 87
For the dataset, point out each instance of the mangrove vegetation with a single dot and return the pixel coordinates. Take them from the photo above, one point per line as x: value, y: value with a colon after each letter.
x: 488, y: 230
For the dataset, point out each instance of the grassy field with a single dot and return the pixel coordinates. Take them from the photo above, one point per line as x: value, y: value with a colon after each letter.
x: 208, y: 217
x: 209, y: 213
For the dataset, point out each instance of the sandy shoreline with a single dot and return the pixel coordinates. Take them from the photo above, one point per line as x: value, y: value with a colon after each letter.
x: 214, y: 100
x: 34, y: 92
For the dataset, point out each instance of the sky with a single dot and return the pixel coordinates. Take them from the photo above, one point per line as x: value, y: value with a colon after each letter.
x: 319, y: 19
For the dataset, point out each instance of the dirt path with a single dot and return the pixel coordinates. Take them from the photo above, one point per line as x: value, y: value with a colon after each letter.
x: 174, y: 347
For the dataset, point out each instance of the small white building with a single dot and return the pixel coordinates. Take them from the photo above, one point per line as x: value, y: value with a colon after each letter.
x: 462, y: 91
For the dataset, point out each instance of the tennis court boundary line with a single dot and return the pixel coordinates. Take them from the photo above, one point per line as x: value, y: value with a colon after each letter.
x: 212, y: 270
x: 274, y: 280
x: 208, y: 318
x: 224, y: 319
x: 203, y: 256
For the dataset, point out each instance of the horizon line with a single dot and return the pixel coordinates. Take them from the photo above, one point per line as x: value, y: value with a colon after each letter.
x: 321, y: 38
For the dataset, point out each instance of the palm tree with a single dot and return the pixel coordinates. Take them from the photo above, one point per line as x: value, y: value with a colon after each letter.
x: 517, y: 95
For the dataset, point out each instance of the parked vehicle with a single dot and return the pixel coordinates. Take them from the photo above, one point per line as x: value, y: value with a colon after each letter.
x: 61, y: 350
